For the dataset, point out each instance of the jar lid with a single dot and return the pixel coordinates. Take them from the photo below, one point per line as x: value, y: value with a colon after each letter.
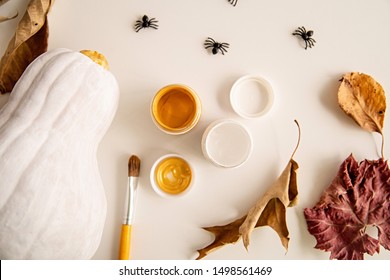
x: 226, y: 143
x: 251, y: 96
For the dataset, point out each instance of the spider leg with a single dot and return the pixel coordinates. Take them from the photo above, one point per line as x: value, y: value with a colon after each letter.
x: 153, y: 20
x: 222, y: 49
x: 155, y: 26
x: 210, y: 40
x: 138, y: 26
x: 296, y: 32
x: 222, y: 46
x: 233, y: 2
x: 311, y: 42
x: 208, y: 46
x: 302, y: 29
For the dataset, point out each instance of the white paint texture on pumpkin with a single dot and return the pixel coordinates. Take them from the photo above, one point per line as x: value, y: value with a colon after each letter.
x: 52, y: 200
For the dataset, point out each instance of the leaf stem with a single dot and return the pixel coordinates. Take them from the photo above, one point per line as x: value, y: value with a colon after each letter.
x: 299, y: 138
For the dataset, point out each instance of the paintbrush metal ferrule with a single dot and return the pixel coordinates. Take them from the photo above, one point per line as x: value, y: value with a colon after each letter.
x: 130, y: 200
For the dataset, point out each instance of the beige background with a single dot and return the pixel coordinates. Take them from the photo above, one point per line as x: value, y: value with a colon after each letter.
x: 351, y: 35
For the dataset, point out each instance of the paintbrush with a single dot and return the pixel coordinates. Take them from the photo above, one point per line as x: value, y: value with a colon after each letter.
x: 133, y: 174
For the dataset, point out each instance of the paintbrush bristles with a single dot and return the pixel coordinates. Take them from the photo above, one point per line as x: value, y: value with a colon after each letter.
x: 134, y: 166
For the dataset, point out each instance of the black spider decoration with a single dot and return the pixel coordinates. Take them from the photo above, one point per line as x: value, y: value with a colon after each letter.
x: 145, y: 23
x: 211, y: 43
x: 233, y: 2
x: 306, y: 36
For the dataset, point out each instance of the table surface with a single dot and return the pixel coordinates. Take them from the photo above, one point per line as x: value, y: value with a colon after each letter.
x: 351, y: 35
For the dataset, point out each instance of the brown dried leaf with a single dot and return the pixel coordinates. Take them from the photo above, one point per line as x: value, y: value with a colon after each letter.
x: 29, y: 41
x: 270, y: 210
x: 363, y: 99
x: 226, y: 234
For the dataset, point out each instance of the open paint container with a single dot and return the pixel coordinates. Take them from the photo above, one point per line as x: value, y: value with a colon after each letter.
x: 172, y: 176
x: 251, y: 96
x: 226, y: 143
x: 176, y: 109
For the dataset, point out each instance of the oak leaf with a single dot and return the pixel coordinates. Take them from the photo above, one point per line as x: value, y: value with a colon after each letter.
x: 29, y: 41
x: 270, y: 210
x: 358, y: 198
x: 363, y: 99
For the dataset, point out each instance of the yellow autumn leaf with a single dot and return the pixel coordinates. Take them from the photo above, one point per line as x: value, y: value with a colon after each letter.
x: 363, y: 99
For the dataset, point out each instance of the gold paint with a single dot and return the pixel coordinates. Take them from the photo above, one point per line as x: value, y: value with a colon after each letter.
x: 173, y: 175
x: 176, y: 108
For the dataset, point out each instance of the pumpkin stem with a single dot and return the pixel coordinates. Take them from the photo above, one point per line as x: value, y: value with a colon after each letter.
x: 96, y: 57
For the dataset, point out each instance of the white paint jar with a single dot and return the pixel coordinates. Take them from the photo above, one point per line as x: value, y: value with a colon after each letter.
x: 251, y: 96
x: 226, y: 143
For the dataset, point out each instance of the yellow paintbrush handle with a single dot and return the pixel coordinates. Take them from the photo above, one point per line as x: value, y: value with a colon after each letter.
x: 124, y: 248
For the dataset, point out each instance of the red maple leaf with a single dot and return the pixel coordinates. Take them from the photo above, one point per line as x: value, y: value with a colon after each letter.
x: 358, y: 197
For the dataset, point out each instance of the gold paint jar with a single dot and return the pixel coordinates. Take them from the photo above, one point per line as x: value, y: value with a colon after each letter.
x: 176, y: 109
x: 171, y: 176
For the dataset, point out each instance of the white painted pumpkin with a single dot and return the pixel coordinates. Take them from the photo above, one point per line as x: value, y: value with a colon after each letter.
x: 52, y: 200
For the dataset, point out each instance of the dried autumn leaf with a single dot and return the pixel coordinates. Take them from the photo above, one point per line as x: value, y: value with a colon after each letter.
x: 226, y: 234
x: 270, y: 210
x: 29, y: 41
x: 363, y: 99
x: 358, y: 198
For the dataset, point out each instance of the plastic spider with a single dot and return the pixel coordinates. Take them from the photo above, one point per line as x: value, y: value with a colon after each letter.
x: 306, y: 36
x: 211, y: 43
x: 233, y: 2
x: 145, y: 23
